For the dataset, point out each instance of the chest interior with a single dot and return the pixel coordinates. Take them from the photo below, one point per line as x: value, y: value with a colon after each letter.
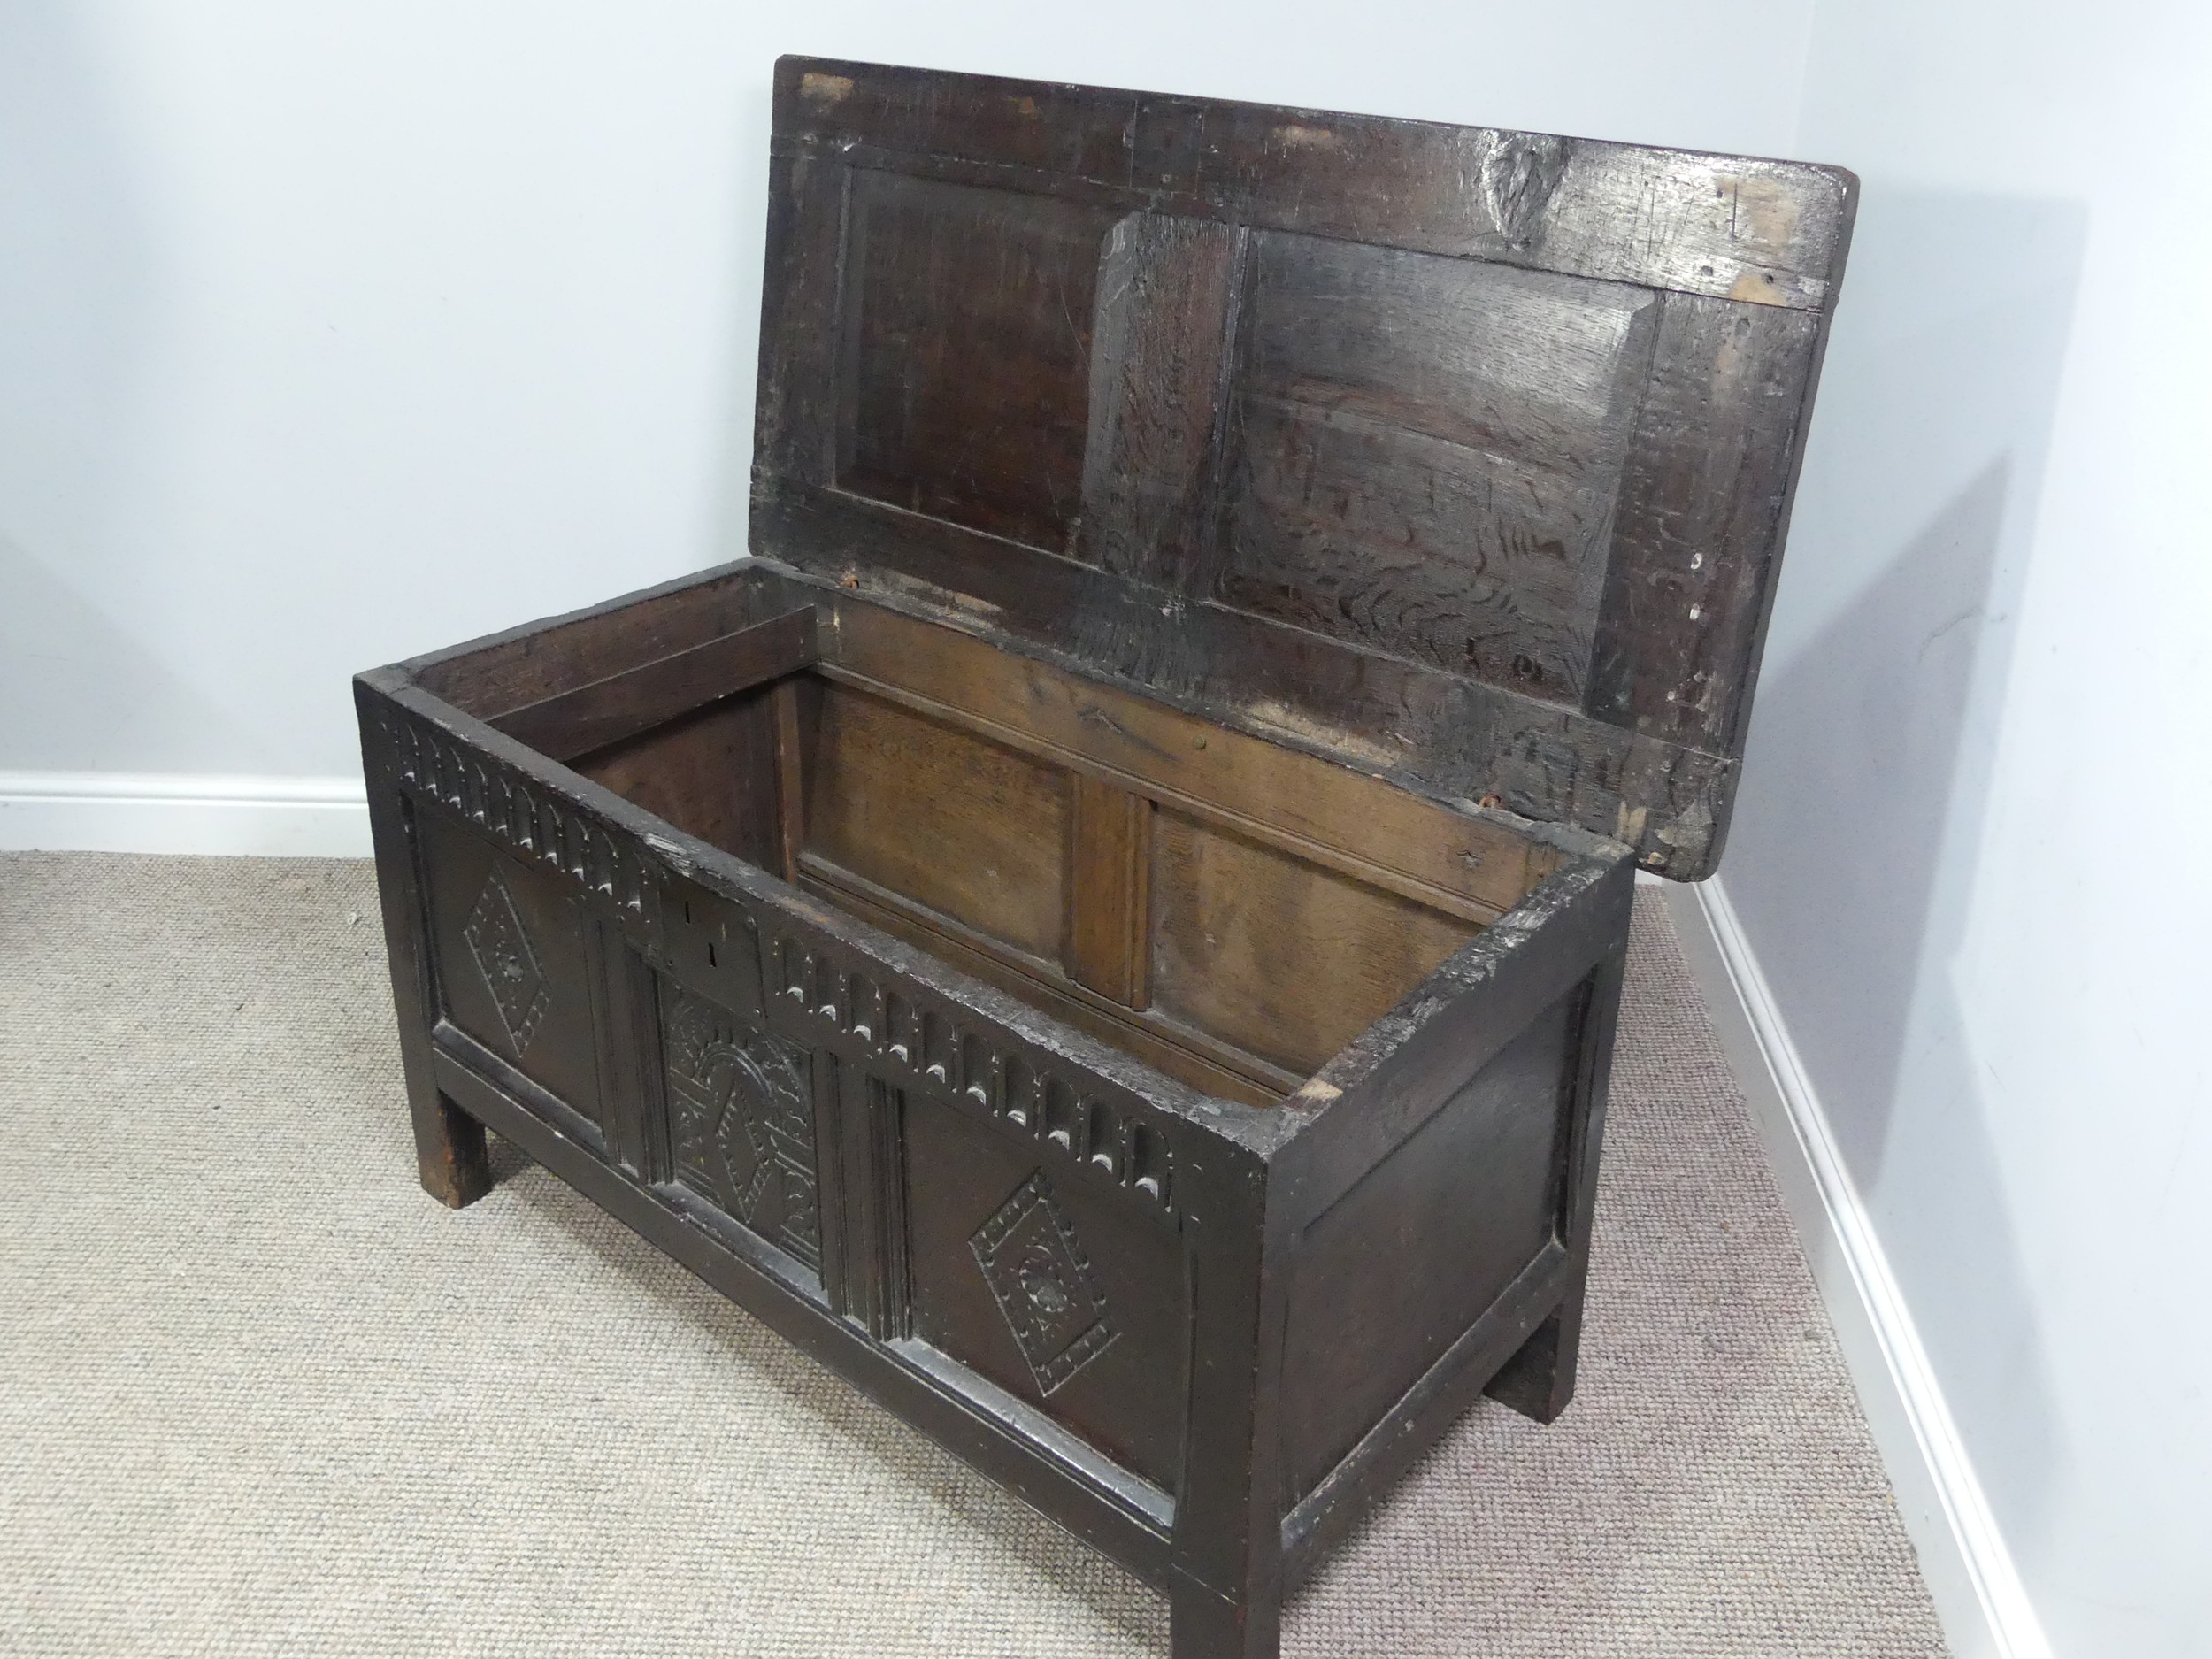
x: 1169, y: 511
x: 1229, y: 910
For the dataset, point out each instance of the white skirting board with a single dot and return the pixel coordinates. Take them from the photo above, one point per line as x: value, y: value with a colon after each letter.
x: 171, y: 812
x: 1978, y: 1595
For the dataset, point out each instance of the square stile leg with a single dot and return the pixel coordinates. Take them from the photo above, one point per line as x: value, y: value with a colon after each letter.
x: 450, y: 1148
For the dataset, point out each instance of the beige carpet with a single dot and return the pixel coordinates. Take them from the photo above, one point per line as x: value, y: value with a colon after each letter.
x: 259, y: 1396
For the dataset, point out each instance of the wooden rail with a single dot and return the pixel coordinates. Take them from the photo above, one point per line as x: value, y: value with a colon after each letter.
x: 605, y: 711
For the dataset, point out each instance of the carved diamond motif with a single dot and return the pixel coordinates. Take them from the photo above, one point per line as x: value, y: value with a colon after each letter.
x: 744, y: 1125
x: 510, y: 966
x: 1042, y: 1281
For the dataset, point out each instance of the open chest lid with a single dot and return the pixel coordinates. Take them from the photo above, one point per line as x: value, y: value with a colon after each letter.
x: 1461, y: 457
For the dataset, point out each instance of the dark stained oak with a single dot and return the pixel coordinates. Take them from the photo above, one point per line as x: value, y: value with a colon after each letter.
x: 972, y: 829
x: 680, y: 772
x: 637, y: 700
x: 1234, y: 918
x: 1026, y: 1181
x: 1457, y: 455
x: 1165, y: 290
x: 1110, y: 868
x: 1766, y: 233
x: 968, y: 342
x: 1426, y: 453
x: 1106, y: 931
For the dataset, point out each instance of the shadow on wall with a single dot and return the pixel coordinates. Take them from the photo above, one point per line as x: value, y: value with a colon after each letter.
x: 76, y: 303
x: 66, y: 669
x: 1867, y: 779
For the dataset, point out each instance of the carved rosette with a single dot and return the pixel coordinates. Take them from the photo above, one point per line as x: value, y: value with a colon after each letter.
x: 1043, y: 1284
x: 743, y: 1121
x: 504, y: 956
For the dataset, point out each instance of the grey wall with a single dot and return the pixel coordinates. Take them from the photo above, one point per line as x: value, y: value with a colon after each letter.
x: 1967, y: 854
x: 331, y: 332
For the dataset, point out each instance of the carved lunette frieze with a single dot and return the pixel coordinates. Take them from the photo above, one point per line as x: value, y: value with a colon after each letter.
x: 935, y: 1044
x: 517, y: 813
x: 906, y: 1032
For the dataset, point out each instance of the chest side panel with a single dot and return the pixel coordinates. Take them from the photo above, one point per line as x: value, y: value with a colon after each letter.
x: 1404, y: 1264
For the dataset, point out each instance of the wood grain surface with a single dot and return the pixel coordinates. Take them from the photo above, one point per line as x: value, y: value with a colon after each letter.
x: 1465, y: 449
x: 1108, y: 933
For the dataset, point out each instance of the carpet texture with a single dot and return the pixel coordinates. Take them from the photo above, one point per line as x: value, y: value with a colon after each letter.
x: 258, y: 1395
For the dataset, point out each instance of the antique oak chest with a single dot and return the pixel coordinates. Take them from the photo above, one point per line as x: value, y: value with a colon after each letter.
x: 1106, y: 929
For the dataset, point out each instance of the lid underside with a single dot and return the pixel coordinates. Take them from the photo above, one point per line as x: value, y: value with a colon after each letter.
x: 1461, y: 457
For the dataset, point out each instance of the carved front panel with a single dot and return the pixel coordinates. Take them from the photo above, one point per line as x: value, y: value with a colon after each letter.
x: 741, y: 1120
x: 1065, y: 1293
x: 511, y: 946
x: 1006, y: 1204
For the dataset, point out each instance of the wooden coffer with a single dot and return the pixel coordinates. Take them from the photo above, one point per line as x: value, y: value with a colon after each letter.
x: 1106, y: 929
